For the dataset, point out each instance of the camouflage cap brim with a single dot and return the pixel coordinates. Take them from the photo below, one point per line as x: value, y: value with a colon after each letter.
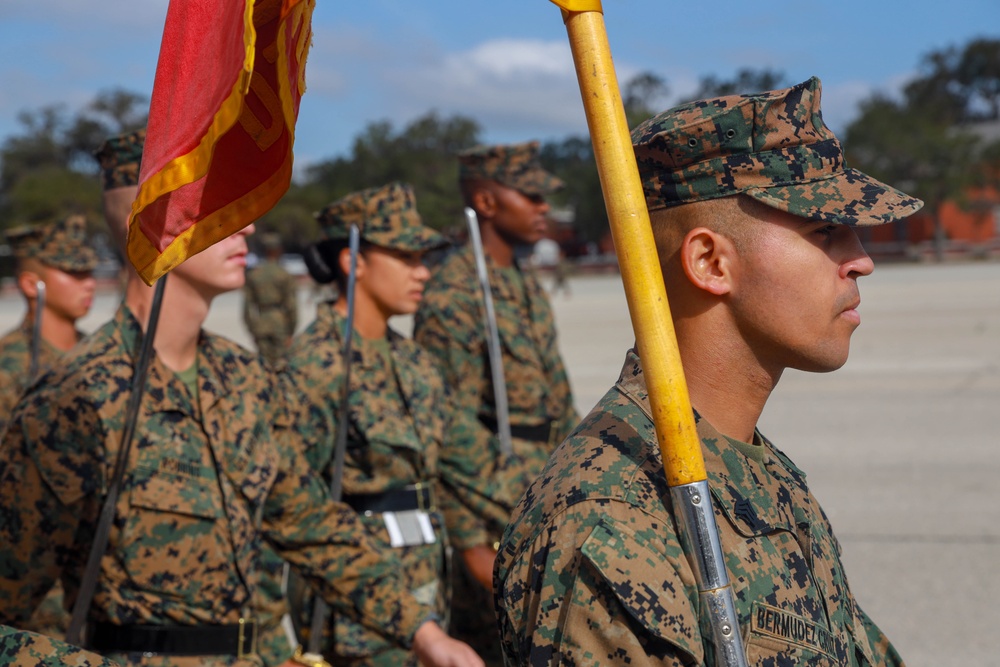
x: 773, y: 146
x: 848, y: 198
x: 61, y: 245
x: 83, y: 261
x: 515, y: 166
x: 535, y: 183
x: 386, y: 216
x: 414, y: 239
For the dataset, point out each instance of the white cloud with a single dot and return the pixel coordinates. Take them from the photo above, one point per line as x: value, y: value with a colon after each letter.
x: 505, y: 84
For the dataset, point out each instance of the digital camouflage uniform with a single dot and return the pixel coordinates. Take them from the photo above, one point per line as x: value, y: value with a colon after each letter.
x: 119, y: 158
x: 450, y: 324
x: 61, y: 245
x: 591, y: 570
x: 399, y: 420
x: 270, y: 305
x: 15, y: 360
x: 19, y: 648
x: 207, y: 480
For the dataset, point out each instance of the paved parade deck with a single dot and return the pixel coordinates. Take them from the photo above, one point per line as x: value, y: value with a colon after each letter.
x: 902, y: 445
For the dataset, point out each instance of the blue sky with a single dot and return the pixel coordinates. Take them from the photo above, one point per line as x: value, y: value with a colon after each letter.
x: 506, y: 64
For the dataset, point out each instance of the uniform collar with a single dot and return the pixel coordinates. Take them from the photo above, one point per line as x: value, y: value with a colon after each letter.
x: 164, y: 389
x: 746, y: 490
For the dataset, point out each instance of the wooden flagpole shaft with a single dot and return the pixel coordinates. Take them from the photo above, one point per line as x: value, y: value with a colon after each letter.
x: 670, y: 404
x: 633, y: 238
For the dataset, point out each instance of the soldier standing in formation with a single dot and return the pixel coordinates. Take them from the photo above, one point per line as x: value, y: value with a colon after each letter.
x: 58, y: 256
x: 211, y: 475
x: 753, y: 212
x: 270, y: 302
x: 506, y: 186
x: 398, y: 442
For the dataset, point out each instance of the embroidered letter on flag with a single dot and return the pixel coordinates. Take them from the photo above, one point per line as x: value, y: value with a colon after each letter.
x: 218, y: 151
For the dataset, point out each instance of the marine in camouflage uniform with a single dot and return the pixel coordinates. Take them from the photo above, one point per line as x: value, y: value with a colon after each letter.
x: 19, y: 648
x: 399, y: 407
x: 39, y: 249
x: 506, y: 185
x: 119, y: 158
x: 58, y: 255
x: 270, y: 303
x: 591, y: 570
x: 211, y: 476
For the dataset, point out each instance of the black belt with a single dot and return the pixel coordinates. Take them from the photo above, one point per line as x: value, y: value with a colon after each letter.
x: 239, y: 639
x: 537, y: 433
x: 416, y: 497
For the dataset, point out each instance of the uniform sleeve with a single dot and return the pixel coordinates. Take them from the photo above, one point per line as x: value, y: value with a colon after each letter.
x: 594, y: 589
x: 10, y: 393
x: 51, y: 474
x: 883, y: 652
x: 328, y: 544
x: 471, y: 467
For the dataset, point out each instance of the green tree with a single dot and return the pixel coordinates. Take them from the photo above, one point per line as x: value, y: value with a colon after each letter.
x: 640, y: 95
x: 914, y: 151
x: 421, y: 154
x: 745, y: 81
x: 926, y: 143
x: 572, y: 160
x: 48, y: 171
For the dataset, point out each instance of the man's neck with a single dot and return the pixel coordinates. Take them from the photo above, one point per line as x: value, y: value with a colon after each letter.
x: 369, y: 321
x: 183, y: 312
x: 57, y: 331
x: 727, y: 385
x: 496, y: 246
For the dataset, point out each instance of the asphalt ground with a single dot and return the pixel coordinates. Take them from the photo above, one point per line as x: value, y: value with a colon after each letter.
x: 901, y: 445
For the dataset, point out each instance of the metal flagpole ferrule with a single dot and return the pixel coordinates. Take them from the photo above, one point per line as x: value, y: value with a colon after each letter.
x: 693, y: 510
x: 493, y: 336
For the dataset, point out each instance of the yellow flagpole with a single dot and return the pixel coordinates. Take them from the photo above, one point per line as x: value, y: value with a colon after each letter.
x: 633, y: 237
x: 673, y: 418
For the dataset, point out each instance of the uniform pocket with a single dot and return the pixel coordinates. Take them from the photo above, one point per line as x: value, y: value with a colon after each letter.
x: 174, y: 541
x: 646, y: 584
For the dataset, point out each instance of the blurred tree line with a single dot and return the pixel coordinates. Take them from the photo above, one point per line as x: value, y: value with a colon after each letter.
x: 923, y: 142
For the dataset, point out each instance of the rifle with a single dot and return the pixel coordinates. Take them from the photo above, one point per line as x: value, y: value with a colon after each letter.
x: 320, y: 608
x: 36, y: 330
x: 493, y: 336
x: 646, y: 294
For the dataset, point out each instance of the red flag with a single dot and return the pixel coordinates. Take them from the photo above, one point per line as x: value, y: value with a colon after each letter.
x: 218, y: 151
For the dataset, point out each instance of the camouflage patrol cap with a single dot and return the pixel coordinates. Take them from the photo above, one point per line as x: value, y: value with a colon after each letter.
x: 386, y: 216
x: 516, y: 166
x: 119, y: 158
x: 771, y: 146
x: 62, y: 245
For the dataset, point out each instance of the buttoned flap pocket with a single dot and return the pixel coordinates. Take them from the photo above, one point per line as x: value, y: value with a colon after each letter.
x: 175, y: 536
x: 646, y: 584
x: 777, y: 636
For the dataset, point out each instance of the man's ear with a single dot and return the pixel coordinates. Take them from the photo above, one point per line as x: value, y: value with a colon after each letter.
x: 27, y: 282
x: 484, y: 201
x: 345, y: 263
x: 707, y: 259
